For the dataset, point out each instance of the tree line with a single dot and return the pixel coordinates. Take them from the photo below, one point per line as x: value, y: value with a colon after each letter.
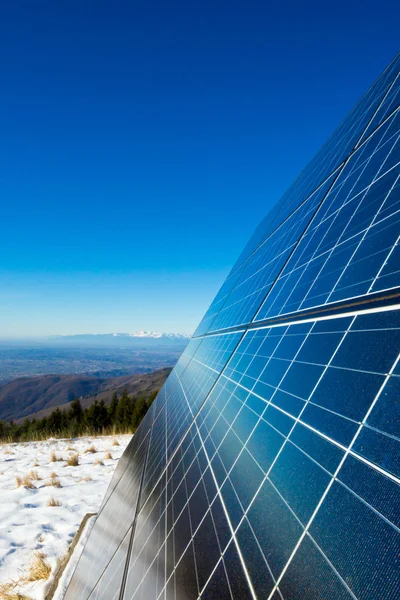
x: 122, y: 415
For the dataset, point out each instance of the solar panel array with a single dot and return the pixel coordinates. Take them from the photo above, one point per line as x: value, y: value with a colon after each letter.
x: 269, y: 464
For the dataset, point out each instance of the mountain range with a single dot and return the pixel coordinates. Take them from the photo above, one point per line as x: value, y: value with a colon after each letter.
x: 138, y: 338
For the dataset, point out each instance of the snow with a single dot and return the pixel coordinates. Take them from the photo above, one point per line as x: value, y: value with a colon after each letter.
x: 28, y: 524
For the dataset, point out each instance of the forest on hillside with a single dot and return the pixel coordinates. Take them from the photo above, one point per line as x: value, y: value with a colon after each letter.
x: 123, y: 415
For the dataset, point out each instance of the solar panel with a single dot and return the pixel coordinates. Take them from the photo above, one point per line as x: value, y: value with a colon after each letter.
x: 268, y: 467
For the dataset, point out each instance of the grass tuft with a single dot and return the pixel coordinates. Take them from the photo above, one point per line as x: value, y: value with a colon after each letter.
x: 91, y: 449
x: 98, y: 462
x: 34, y: 475
x: 38, y: 567
x: 115, y: 442
x: 108, y: 456
x: 53, y: 502
x: 54, y: 482
x: 7, y: 593
x: 73, y: 460
x: 25, y: 481
x: 87, y: 478
x: 54, y: 457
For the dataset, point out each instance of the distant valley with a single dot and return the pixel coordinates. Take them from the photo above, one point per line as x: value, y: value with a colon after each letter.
x: 36, y: 376
x: 103, y: 355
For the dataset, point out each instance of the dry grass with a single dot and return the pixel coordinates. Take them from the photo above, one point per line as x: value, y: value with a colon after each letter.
x: 73, y: 460
x: 38, y: 566
x: 98, y: 462
x: 53, y: 502
x: 39, y: 569
x: 25, y: 481
x: 36, y: 463
x: 54, y: 457
x: 91, y: 449
x: 71, y: 449
x: 7, y: 451
x: 115, y: 442
x: 108, y: 456
x: 7, y: 593
x: 53, y: 475
x: 34, y: 475
x: 87, y: 478
x: 54, y: 482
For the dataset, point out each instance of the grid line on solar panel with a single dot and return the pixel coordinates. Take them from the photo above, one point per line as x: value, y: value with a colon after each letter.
x: 296, y: 188
x: 177, y: 518
x: 219, y: 350
x: 218, y: 322
x: 337, y: 470
x: 385, y: 109
x: 259, y: 272
x: 216, y: 484
x: 102, y: 589
x: 325, y: 407
x: 110, y: 526
x: 339, y: 593
x: 145, y: 425
x: 209, y: 509
x: 211, y: 505
x: 296, y: 275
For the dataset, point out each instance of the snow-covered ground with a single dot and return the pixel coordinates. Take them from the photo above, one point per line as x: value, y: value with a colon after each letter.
x: 27, y: 523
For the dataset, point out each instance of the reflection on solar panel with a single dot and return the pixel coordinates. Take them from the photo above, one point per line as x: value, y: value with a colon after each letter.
x: 269, y: 464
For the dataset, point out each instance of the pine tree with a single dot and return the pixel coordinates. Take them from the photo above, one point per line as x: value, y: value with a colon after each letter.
x: 104, y: 420
x: 76, y: 411
x: 112, y: 409
x: 124, y: 412
x: 139, y: 412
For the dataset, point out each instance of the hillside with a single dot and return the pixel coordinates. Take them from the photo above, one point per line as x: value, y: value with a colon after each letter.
x: 38, y: 396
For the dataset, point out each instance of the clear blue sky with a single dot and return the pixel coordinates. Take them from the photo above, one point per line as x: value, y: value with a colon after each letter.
x: 142, y: 142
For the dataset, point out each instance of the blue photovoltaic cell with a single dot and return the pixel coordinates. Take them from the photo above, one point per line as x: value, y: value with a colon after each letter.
x: 268, y: 465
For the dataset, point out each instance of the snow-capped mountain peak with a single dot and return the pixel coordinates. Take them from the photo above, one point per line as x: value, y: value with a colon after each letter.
x: 153, y: 334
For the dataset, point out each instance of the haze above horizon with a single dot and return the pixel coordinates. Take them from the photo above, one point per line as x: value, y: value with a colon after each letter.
x: 142, y: 144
